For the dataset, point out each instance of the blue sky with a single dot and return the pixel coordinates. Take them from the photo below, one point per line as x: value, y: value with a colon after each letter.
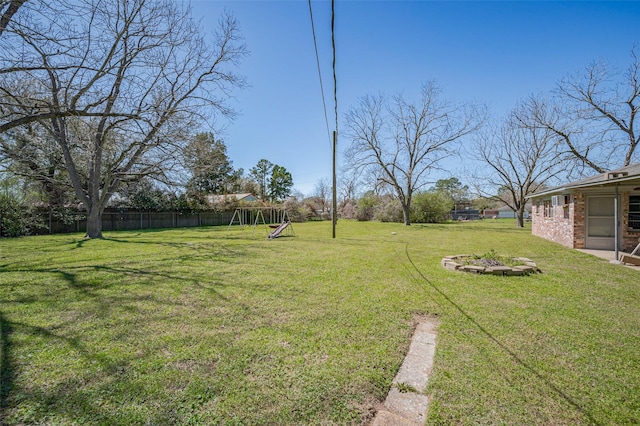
x: 496, y: 53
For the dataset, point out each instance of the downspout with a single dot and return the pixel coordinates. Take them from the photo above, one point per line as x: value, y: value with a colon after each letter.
x: 617, y: 225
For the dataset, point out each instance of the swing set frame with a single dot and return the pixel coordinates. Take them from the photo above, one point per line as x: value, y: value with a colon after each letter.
x: 254, y: 216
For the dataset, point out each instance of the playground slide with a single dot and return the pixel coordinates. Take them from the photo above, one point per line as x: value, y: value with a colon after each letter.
x: 279, y: 230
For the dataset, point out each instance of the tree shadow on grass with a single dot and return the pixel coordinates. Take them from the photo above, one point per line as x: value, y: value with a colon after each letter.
x: 67, y: 399
x: 104, y: 294
x: 84, y: 302
x: 7, y: 372
x: 104, y: 303
x: 115, y: 378
x: 518, y: 360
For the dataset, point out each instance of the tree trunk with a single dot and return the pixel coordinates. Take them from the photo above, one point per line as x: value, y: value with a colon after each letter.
x: 406, y: 208
x: 520, y: 217
x: 94, y: 223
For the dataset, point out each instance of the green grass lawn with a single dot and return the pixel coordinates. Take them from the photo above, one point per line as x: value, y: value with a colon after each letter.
x: 210, y: 326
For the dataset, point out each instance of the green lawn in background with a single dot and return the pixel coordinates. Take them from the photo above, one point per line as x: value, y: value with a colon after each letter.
x: 211, y: 326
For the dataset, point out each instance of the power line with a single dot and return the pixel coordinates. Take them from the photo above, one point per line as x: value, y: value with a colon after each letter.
x: 315, y: 45
x: 333, y: 45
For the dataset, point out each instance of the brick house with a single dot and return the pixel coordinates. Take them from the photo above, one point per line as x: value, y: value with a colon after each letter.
x: 583, y: 214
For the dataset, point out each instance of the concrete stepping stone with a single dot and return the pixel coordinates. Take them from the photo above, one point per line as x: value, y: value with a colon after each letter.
x: 406, y: 404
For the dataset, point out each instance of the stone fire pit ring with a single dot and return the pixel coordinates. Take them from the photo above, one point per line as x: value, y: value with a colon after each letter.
x: 457, y: 263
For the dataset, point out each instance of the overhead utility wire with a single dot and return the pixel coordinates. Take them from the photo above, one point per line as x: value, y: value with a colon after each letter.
x: 333, y: 45
x: 315, y: 45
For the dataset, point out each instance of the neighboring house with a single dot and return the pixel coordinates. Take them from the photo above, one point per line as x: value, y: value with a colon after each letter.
x: 228, y: 198
x: 490, y: 214
x: 466, y: 214
x: 506, y: 212
x: 583, y: 214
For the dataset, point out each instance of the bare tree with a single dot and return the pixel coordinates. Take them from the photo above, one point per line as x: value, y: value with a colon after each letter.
x: 118, y: 84
x: 8, y: 8
x: 594, y: 114
x: 402, y: 143
x: 322, y: 191
x: 521, y: 156
x: 348, y: 184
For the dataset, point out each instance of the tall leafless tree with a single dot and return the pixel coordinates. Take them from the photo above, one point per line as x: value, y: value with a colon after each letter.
x: 403, y: 142
x: 8, y: 8
x: 521, y: 157
x: 349, y: 182
x: 595, y: 113
x: 322, y: 191
x: 120, y: 85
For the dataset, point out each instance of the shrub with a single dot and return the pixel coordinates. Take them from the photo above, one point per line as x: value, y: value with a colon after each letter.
x: 348, y: 210
x: 366, y: 206
x: 16, y: 219
x: 296, y: 210
x: 430, y: 207
x: 389, y: 209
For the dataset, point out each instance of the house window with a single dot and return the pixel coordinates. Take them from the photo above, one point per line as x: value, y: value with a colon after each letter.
x: 567, y: 201
x: 547, y: 208
x: 634, y: 212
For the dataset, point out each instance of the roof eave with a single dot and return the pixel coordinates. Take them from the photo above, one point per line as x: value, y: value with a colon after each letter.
x: 603, y: 183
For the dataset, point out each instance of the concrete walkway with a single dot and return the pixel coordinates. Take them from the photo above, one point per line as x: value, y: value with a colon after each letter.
x: 406, y: 403
x: 609, y: 255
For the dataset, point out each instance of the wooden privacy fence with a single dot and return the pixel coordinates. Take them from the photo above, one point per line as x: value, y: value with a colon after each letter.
x: 128, y: 220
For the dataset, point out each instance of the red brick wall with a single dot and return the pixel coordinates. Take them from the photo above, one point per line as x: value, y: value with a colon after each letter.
x: 555, y: 228
x: 579, y: 220
x: 629, y: 238
x: 571, y: 232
